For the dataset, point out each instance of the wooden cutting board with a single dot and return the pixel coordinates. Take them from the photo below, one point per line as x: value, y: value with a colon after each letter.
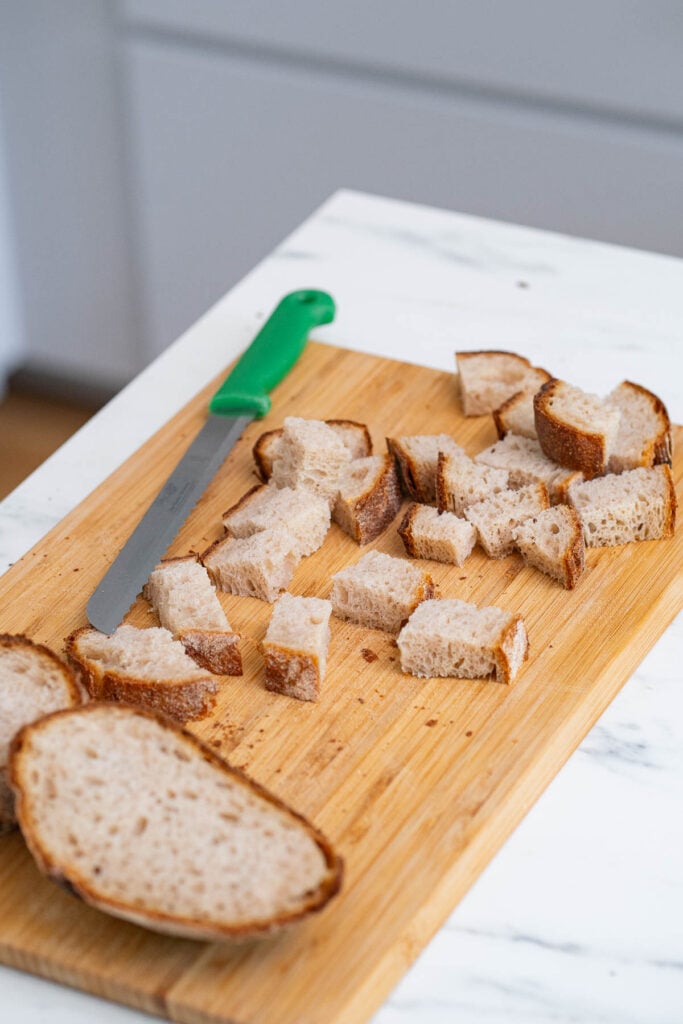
x: 417, y: 783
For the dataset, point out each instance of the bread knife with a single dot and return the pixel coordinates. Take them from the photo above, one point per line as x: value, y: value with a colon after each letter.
x: 242, y: 397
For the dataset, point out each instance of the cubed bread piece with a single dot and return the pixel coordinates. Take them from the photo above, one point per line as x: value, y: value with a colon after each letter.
x: 354, y: 436
x: 552, y: 541
x: 142, y: 820
x: 295, y: 646
x: 33, y: 682
x: 258, y: 566
x: 369, y: 497
x: 460, y: 482
x: 303, y: 513
x: 574, y: 428
x: 526, y: 464
x: 417, y: 459
x: 441, y: 536
x: 497, y: 517
x: 453, y: 638
x: 639, y: 504
x: 310, y: 455
x: 644, y: 435
x: 379, y: 591
x: 516, y: 416
x: 489, y: 378
x: 142, y: 666
x: 182, y: 595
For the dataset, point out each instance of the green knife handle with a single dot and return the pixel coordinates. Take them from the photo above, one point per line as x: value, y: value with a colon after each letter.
x: 272, y: 353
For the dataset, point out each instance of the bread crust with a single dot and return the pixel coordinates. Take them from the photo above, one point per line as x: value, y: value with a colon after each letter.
x: 563, y: 442
x: 410, y: 483
x: 373, y: 510
x: 405, y: 529
x: 215, y: 650
x: 502, y: 652
x: 179, y: 699
x: 79, y: 886
x: 574, y: 557
x: 292, y: 673
x: 659, y: 449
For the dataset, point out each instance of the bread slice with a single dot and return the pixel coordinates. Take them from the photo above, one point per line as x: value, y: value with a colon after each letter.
x: 354, y: 436
x: 305, y: 515
x: 644, y: 435
x: 453, y: 638
x: 310, y: 455
x: 182, y: 595
x: 441, y: 536
x: 368, y: 498
x: 141, y: 666
x: 33, y: 682
x: 258, y: 566
x: 552, y: 541
x: 516, y: 416
x: 526, y: 464
x: 574, y: 428
x: 379, y: 591
x: 142, y: 820
x: 487, y: 379
x: 496, y: 518
x: 460, y: 482
x: 417, y: 459
x: 639, y: 504
x: 295, y: 646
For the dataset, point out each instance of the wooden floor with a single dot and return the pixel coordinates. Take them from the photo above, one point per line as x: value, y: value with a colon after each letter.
x: 31, y: 428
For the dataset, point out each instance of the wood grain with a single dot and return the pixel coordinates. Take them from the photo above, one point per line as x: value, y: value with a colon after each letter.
x: 417, y: 782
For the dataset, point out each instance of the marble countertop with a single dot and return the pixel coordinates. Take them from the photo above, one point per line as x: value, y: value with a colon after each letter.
x: 579, y: 918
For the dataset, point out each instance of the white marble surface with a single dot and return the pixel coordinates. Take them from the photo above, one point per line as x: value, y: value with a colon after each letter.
x: 579, y: 918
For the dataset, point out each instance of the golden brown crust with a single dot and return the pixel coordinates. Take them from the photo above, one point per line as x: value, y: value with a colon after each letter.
x: 440, y: 485
x: 574, y: 557
x: 500, y: 652
x: 215, y: 650
x: 292, y: 673
x: 671, y: 503
x: 371, y: 513
x: 190, y: 928
x: 405, y: 529
x: 563, y: 442
x: 179, y: 699
x: 408, y: 476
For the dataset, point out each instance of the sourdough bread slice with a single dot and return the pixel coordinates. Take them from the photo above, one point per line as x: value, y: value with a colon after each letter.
x: 644, y: 435
x: 639, y: 504
x: 441, y: 536
x: 552, y: 541
x: 258, y: 566
x: 487, y: 379
x: 33, y: 682
x: 453, y: 638
x: 310, y: 455
x: 460, y: 482
x: 141, y: 666
x: 516, y: 416
x: 417, y: 459
x: 182, y: 595
x: 354, y: 436
x: 368, y: 498
x: 305, y: 515
x: 295, y: 646
x: 142, y: 820
x: 526, y: 464
x: 496, y: 518
x: 379, y: 591
x: 574, y: 428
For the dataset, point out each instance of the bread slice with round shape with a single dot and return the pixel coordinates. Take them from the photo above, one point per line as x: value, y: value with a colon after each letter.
x: 552, y: 541
x: 305, y: 515
x: 186, y: 603
x: 33, y: 682
x: 440, y: 536
x: 461, y: 482
x: 644, y: 435
x: 454, y: 638
x: 496, y: 518
x: 368, y: 498
x: 487, y: 379
x: 639, y: 504
x: 142, y: 820
x: 526, y: 463
x: 295, y: 646
x: 417, y: 458
x: 380, y: 591
x: 142, y: 666
x: 575, y: 429
x: 354, y: 436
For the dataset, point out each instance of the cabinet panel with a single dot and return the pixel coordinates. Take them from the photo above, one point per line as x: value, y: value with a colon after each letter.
x: 230, y: 154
